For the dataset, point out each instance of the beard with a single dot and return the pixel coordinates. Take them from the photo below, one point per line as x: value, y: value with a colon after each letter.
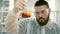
x: 42, y: 21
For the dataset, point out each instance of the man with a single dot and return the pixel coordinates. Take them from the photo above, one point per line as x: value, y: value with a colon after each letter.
x: 39, y: 25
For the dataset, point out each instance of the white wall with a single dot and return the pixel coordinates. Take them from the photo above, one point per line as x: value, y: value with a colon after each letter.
x: 57, y: 6
x: 11, y: 4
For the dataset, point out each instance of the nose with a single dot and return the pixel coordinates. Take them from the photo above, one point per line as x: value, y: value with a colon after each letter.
x: 41, y: 15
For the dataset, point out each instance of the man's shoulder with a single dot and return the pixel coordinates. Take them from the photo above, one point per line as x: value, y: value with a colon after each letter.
x: 52, y: 24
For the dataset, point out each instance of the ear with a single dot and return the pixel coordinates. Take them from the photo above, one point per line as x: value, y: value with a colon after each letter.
x: 49, y: 10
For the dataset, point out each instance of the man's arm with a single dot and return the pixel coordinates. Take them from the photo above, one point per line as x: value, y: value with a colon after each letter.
x: 11, y: 22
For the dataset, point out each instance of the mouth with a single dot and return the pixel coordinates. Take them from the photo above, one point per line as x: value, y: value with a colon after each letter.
x: 41, y: 20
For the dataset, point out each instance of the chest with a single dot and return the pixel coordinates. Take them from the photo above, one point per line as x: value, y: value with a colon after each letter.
x: 34, y: 29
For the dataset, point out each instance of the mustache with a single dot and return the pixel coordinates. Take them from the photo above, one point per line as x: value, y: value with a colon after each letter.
x: 41, y: 18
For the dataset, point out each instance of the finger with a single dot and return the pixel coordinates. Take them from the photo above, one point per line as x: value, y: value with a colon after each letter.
x: 22, y: 2
x: 20, y: 7
x: 17, y: 3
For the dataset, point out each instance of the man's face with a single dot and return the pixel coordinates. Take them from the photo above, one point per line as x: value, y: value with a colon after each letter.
x: 42, y: 14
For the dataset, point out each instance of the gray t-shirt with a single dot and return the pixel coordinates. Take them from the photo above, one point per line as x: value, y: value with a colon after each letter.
x: 30, y: 26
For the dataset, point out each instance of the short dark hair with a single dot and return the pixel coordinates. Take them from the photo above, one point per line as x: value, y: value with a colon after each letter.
x: 41, y: 2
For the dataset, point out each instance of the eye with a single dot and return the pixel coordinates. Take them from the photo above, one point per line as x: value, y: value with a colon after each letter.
x: 42, y: 11
x: 37, y: 12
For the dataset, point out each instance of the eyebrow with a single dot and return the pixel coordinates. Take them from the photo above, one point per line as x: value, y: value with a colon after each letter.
x: 41, y: 11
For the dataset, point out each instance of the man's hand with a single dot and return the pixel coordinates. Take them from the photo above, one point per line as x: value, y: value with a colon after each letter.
x: 20, y: 5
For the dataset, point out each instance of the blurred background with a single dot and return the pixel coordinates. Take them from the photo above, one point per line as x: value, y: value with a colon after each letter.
x: 6, y: 5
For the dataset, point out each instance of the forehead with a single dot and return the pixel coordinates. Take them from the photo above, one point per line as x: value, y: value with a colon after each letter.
x: 38, y: 8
